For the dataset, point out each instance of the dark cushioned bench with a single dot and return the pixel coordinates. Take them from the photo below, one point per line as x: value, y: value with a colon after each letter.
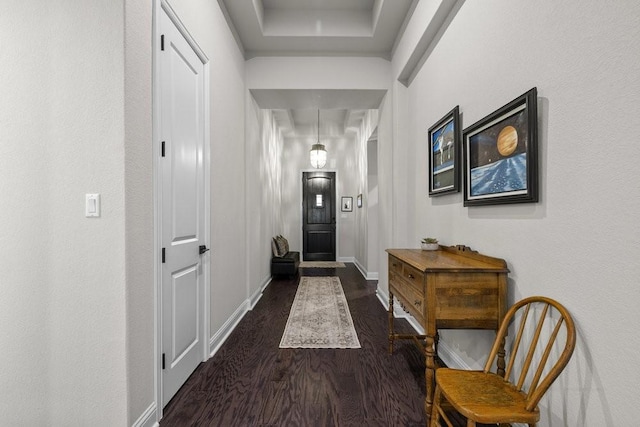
x: 283, y: 261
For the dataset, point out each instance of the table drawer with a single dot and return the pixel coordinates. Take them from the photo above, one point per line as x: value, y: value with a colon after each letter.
x: 414, y: 277
x: 405, y: 294
x: 395, y: 265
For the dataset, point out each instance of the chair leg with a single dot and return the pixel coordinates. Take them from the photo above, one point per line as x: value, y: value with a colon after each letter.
x: 471, y: 423
x: 436, y: 410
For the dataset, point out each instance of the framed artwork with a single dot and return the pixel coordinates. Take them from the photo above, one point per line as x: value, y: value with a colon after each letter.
x: 501, y: 155
x: 444, y: 157
x: 346, y: 204
x: 360, y: 200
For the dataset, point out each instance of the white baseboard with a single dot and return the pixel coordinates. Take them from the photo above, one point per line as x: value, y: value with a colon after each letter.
x: 223, y: 333
x: 253, y: 299
x: 368, y: 275
x: 148, y: 418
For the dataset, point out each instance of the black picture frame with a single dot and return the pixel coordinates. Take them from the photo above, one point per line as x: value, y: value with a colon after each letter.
x: 444, y: 154
x: 359, y: 200
x: 501, y: 155
x: 346, y: 204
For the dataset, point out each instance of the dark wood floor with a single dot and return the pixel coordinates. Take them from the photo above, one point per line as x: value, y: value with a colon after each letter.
x: 251, y: 382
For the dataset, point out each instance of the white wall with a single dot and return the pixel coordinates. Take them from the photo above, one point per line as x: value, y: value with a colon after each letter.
x: 367, y: 127
x: 62, y: 311
x: 264, y: 192
x: 138, y: 192
x: 579, y: 244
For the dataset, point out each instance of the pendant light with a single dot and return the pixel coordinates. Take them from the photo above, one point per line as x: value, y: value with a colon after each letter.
x: 318, y: 155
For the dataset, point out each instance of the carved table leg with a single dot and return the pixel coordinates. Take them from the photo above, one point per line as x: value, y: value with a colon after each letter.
x: 429, y: 374
x: 391, y: 323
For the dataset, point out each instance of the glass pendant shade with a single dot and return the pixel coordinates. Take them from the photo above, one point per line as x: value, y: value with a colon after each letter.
x: 318, y: 155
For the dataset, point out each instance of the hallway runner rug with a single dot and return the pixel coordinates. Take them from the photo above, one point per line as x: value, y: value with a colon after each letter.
x: 319, y: 316
x: 321, y: 264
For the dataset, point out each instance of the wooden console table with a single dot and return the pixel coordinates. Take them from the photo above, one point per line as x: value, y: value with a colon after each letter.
x: 451, y: 288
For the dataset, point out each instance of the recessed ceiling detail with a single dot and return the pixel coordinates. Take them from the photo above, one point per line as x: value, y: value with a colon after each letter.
x: 348, y: 18
x: 317, y: 27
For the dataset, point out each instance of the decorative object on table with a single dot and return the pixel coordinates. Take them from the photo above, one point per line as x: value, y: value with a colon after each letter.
x: 501, y: 155
x: 429, y: 244
x: 319, y: 316
x: 444, y: 157
x: 346, y: 204
x: 360, y: 200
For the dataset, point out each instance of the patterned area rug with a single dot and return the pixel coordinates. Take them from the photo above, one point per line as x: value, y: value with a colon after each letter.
x: 320, y: 316
x: 321, y: 264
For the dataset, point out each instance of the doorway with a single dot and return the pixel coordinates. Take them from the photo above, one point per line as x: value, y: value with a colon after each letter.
x: 181, y: 202
x: 319, y: 216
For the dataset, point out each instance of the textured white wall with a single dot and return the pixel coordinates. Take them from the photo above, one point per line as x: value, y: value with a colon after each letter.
x: 579, y: 244
x: 62, y: 311
x: 139, y: 231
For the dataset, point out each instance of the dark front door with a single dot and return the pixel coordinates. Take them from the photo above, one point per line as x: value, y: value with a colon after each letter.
x: 319, y: 216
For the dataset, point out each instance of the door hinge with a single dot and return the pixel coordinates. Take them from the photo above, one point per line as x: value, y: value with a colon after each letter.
x: 162, y: 42
x: 162, y: 360
x: 163, y: 255
x: 162, y: 149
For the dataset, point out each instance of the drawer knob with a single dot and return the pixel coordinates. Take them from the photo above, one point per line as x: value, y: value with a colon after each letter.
x: 417, y: 302
x: 410, y: 276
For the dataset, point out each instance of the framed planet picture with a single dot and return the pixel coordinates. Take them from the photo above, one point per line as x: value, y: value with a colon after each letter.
x: 444, y: 148
x: 501, y: 155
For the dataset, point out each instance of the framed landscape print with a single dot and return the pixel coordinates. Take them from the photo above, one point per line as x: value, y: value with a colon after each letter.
x: 444, y: 143
x: 501, y: 155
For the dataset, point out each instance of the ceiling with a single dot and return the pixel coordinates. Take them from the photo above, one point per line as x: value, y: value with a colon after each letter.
x: 368, y: 28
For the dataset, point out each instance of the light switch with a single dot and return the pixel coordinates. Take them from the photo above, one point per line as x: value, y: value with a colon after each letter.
x: 92, y: 205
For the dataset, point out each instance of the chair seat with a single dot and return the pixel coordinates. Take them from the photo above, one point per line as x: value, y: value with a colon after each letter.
x: 484, y: 397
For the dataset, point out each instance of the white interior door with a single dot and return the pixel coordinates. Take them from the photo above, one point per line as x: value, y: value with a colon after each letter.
x: 182, y: 204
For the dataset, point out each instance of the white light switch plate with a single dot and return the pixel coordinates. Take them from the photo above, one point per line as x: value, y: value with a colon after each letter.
x: 92, y: 205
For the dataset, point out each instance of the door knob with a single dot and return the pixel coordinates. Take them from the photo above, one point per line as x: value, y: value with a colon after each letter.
x: 203, y: 249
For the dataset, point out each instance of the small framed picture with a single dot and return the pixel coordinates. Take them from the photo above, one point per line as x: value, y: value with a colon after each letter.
x: 444, y: 157
x: 501, y: 155
x: 360, y: 200
x: 346, y: 204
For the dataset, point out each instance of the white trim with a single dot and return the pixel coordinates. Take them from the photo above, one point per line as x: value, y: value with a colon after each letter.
x: 147, y: 418
x: 232, y: 322
x: 158, y: 6
x: 255, y: 297
x: 450, y: 358
x: 225, y: 330
x: 366, y: 274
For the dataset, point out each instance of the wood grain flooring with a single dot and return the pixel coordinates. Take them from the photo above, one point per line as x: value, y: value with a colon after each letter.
x: 252, y: 382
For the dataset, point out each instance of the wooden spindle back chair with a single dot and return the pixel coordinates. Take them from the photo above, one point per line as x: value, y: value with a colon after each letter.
x: 534, y: 362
